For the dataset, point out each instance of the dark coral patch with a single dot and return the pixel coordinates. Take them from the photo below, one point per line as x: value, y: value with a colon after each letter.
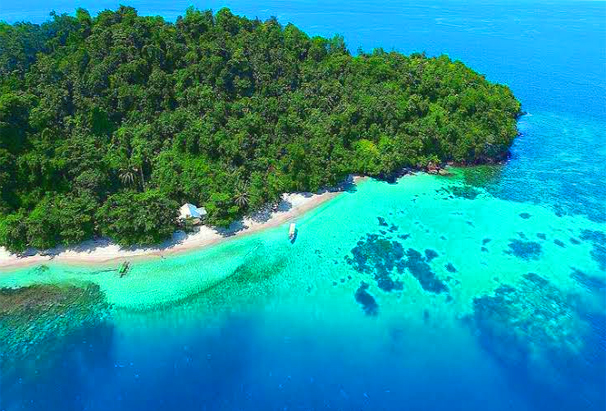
x: 513, y: 319
x: 559, y: 243
x: 466, y: 191
x: 588, y: 281
x: 403, y: 236
x: 599, y: 255
x: 525, y: 216
x: 574, y: 241
x: 382, y: 222
x: 598, y: 239
x: 387, y: 284
x: 368, y: 302
x: 392, y: 228
x: 419, y: 268
x: 535, y: 330
x: 451, y: 268
x: 484, y: 249
x: 526, y: 250
x: 593, y: 236
x: 486, y: 241
x: 430, y: 254
x: 384, y: 259
x: 542, y: 236
x: 36, y: 318
x: 377, y: 256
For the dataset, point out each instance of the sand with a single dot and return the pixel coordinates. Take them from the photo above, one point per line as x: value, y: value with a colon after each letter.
x: 104, y: 251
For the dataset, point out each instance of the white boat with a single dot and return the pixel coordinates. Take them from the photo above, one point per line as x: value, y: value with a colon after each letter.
x: 292, y: 232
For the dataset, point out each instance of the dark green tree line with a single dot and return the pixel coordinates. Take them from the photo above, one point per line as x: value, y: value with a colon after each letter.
x: 108, y: 123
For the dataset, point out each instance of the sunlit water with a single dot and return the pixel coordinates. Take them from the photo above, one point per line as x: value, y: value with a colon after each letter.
x: 483, y: 290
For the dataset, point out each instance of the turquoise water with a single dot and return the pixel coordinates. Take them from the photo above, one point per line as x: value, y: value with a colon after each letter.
x: 482, y: 290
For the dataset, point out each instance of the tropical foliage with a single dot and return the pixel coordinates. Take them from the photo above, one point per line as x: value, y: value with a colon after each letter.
x: 107, y: 123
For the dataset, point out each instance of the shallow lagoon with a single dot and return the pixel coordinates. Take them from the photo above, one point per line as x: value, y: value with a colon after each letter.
x: 258, y: 320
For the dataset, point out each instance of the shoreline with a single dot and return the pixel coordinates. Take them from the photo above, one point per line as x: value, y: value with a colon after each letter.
x: 103, y: 251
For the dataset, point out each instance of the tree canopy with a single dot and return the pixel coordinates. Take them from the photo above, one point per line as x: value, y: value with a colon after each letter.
x: 107, y: 123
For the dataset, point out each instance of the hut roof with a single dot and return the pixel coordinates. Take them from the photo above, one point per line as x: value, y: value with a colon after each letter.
x: 189, y: 210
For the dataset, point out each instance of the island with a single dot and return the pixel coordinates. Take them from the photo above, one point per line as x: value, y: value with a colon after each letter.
x: 109, y: 124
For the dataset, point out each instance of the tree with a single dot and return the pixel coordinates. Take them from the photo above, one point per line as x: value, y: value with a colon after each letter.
x: 241, y: 197
x: 138, y: 218
x: 108, y: 122
x: 13, y: 232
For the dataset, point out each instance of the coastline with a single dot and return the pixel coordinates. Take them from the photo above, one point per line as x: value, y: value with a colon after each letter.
x: 103, y: 251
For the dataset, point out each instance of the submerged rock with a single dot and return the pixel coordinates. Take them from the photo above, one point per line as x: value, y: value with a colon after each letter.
x: 43, y: 314
x: 599, y: 255
x: 377, y: 256
x: 451, y: 268
x: 526, y: 250
x: 385, y: 259
x: 594, y: 236
x: 430, y: 254
x: 420, y: 269
x: 368, y: 302
x: 598, y: 240
x: 592, y: 283
x: 538, y: 333
x: 465, y: 191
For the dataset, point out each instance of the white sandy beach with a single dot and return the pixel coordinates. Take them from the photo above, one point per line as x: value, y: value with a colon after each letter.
x: 103, y: 251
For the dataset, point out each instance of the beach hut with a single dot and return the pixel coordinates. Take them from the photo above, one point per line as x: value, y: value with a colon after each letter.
x: 197, y: 214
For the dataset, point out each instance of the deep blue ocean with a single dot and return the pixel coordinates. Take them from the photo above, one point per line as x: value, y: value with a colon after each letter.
x: 267, y: 350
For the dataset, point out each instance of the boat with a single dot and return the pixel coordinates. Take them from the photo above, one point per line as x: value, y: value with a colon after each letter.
x: 292, y: 232
x: 124, y: 269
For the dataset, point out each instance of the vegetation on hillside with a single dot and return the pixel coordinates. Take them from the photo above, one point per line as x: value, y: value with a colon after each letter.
x: 108, y: 124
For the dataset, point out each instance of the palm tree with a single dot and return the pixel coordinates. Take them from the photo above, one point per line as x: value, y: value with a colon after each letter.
x: 127, y: 175
x: 241, y: 197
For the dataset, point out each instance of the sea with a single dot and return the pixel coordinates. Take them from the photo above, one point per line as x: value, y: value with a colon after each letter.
x: 483, y: 290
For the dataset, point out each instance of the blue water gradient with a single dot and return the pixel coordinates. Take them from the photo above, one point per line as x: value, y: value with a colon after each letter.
x: 266, y: 340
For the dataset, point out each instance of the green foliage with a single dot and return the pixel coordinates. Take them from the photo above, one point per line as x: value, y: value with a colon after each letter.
x: 138, y: 218
x: 132, y: 116
x: 13, y: 232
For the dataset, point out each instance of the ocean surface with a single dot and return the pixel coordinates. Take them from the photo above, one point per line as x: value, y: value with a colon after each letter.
x: 485, y: 290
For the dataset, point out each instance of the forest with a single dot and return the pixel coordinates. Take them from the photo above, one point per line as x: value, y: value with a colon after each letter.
x: 109, y: 123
